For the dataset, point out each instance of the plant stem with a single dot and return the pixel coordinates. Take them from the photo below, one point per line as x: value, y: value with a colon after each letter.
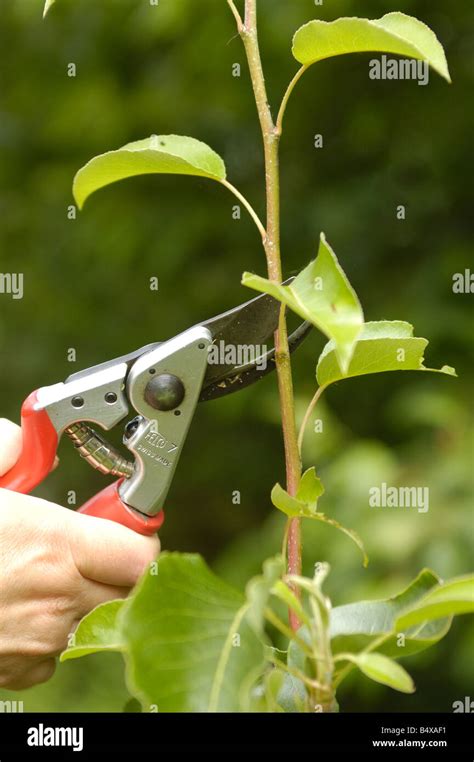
x: 271, y: 136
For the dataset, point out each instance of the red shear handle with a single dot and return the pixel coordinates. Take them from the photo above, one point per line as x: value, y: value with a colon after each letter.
x: 40, y: 442
x: 108, y: 505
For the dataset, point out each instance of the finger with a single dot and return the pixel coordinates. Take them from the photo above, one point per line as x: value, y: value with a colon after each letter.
x: 108, y: 552
x: 94, y: 594
x: 39, y: 673
x: 10, y: 445
x: 55, y: 634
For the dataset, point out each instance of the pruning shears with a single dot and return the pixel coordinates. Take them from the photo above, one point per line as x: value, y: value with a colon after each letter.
x: 162, y: 383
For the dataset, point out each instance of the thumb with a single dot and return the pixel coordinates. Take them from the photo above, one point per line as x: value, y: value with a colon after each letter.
x: 108, y: 552
x: 10, y: 445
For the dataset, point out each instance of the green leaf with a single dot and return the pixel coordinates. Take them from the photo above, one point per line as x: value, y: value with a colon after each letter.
x: 393, y: 33
x: 98, y: 631
x: 355, y: 626
x: 306, y: 499
x: 447, y: 599
x: 293, y: 695
x: 190, y: 648
x: 383, y: 670
x: 322, y: 295
x: 310, y: 488
x: 382, y: 346
x: 273, y: 683
x: 304, y: 504
x: 169, y: 154
x: 191, y: 642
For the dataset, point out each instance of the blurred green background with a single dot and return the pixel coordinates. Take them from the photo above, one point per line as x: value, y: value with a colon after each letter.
x: 145, y: 69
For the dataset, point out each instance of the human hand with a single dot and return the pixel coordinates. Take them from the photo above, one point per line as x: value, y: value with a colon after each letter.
x: 55, y: 566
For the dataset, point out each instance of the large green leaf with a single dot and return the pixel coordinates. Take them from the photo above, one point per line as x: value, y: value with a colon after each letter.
x: 304, y: 504
x: 169, y: 154
x: 321, y: 294
x: 383, y: 670
x: 393, y: 33
x: 453, y: 597
x: 382, y: 346
x: 355, y: 626
x: 190, y: 647
x: 98, y: 631
x: 191, y: 642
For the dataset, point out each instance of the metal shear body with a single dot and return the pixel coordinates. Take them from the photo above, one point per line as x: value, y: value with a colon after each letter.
x: 162, y: 383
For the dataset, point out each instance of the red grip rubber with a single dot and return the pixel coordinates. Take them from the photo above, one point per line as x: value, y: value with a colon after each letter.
x: 108, y: 505
x: 40, y: 442
x: 39, y: 446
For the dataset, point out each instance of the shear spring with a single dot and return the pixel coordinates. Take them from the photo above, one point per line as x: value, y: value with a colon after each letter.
x: 98, y: 452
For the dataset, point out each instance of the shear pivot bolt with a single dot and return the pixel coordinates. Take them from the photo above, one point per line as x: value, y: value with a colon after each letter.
x: 164, y: 392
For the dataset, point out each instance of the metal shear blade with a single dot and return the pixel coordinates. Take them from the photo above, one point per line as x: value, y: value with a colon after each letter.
x: 240, y: 336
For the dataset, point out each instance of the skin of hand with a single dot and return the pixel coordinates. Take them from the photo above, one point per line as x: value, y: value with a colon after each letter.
x: 55, y: 566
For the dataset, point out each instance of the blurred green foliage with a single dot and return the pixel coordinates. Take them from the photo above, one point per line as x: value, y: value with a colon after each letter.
x: 144, y: 69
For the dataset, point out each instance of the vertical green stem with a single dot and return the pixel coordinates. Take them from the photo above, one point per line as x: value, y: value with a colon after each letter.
x: 271, y: 139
